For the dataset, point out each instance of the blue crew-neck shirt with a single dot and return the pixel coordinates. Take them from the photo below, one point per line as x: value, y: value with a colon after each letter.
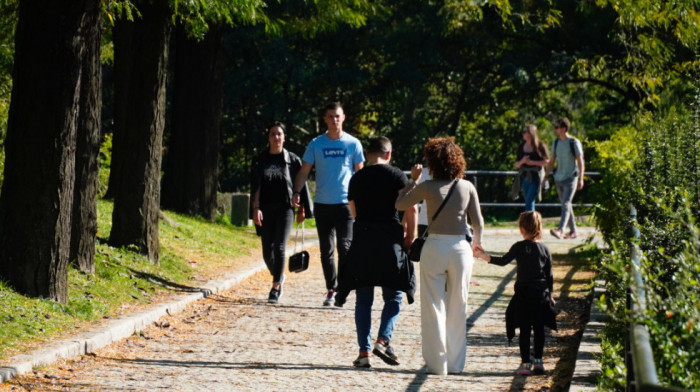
x: 335, y: 161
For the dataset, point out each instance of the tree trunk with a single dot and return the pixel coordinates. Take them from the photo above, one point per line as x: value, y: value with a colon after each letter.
x: 140, y: 67
x: 37, y: 193
x: 84, y: 224
x: 190, y: 179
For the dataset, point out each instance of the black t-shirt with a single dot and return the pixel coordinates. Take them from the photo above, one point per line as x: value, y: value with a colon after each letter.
x: 273, y: 186
x: 374, y: 190
x: 540, y: 153
x: 534, y: 262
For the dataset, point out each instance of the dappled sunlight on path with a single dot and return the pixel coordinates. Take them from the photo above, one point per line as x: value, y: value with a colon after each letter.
x: 235, y: 341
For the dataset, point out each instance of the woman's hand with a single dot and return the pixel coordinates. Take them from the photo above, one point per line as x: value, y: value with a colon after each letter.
x: 416, y: 172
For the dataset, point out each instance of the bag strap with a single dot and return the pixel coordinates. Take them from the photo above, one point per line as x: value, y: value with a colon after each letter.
x: 296, y: 238
x: 449, y: 193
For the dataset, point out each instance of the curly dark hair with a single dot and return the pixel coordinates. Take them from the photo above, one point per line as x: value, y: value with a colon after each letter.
x: 444, y: 158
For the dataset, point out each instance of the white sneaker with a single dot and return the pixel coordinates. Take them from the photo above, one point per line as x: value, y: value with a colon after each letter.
x: 330, y: 298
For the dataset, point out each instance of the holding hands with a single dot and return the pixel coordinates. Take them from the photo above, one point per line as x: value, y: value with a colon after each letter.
x: 480, y: 254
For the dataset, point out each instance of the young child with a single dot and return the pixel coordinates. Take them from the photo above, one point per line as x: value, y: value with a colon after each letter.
x: 532, y: 306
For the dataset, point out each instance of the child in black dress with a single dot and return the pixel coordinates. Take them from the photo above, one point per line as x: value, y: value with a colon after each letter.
x: 532, y: 306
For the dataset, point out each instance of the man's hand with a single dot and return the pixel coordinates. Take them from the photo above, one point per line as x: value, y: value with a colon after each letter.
x: 580, y: 183
x: 257, y: 216
x: 296, y: 199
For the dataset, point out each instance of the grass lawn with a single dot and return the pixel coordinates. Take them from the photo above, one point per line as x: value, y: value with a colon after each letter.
x: 192, y: 251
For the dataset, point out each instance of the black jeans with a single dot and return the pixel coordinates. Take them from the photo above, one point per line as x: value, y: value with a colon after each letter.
x: 333, y: 222
x: 276, y: 225
x: 524, y: 340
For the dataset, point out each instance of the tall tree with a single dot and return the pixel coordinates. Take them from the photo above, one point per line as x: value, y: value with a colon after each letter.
x: 190, y: 179
x: 84, y: 222
x: 140, y: 68
x: 37, y: 194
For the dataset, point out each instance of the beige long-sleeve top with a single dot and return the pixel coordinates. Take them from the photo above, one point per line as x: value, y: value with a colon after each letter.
x: 453, y: 217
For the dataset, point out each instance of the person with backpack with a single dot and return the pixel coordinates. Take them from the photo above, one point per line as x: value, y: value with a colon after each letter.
x: 568, y: 175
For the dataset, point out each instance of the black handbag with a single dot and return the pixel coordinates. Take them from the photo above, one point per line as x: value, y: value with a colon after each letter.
x: 299, y: 261
x: 417, y: 245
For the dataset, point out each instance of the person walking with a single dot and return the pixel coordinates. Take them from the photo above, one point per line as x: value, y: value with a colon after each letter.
x: 531, y: 158
x: 532, y: 305
x: 271, y: 176
x: 376, y: 256
x: 336, y: 156
x: 568, y: 175
x: 447, y: 258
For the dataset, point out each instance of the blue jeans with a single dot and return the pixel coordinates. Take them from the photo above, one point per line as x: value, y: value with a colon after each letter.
x: 530, y: 190
x: 364, y: 297
x: 333, y: 221
x: 566, y: 190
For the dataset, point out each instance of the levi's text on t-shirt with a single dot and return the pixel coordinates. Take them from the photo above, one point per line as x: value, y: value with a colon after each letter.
x: 333, y: 152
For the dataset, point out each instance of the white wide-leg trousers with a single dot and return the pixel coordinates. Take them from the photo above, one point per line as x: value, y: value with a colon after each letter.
x: 445, y: 271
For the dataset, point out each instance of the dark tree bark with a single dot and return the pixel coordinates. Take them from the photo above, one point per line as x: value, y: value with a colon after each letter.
x: 37, y: 193
x: 140, y: 66
x: 84, y: 223
x: 190, y: 178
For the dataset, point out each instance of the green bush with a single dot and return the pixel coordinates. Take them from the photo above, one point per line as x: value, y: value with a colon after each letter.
x: 653, y: 165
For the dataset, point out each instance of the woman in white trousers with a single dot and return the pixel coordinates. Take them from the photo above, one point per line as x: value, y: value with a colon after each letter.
x: 447, y: 258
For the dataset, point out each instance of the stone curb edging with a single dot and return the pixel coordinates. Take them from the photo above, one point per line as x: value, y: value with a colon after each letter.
x: 120, y: 328
x: 587, y: 370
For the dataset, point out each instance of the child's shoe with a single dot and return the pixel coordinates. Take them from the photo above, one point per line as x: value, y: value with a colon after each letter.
x: 524, y: 369
x: 538, y: 366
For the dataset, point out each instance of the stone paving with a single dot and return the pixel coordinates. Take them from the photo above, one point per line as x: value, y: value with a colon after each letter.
x: 235, y: 341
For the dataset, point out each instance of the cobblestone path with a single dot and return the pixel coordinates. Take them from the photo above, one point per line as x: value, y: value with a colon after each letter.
x: 235, y: 341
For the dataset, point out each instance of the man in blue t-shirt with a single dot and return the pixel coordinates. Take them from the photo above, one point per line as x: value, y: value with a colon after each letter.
x: 337, y: 156
x: 568, y: 176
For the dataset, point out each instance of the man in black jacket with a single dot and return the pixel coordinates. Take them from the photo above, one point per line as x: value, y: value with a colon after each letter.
x: 376, y: 256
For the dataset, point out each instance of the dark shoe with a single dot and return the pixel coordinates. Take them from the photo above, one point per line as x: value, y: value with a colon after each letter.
x: 524, y: 369
x: 330, y: 298
x: 385, y: 352
x: 274, y: 296
x: 362, y: 361
x: 537, y: 367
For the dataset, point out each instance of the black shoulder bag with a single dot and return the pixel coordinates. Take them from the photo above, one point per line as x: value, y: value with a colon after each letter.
x: 417, y: 245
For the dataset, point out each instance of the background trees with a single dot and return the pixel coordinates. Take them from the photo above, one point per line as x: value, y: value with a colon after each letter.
x: 624, y: 71
x: 37, y: 192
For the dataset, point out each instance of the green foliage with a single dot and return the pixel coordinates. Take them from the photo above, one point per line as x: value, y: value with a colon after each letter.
x: 654, y: 165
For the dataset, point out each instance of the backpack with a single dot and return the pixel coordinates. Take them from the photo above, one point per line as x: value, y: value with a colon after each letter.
x: 573, y: 151
x: 571, y: 146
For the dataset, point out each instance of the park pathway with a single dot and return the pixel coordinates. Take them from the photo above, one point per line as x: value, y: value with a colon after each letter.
x: 235, y: 341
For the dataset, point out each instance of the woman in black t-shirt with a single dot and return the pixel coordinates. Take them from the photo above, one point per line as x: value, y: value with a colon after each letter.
x: 272, y: 176
x: 531, y: 158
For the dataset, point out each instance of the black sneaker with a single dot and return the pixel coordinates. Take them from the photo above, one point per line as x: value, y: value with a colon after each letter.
x: 386, y: 353
x: 274, y: 296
